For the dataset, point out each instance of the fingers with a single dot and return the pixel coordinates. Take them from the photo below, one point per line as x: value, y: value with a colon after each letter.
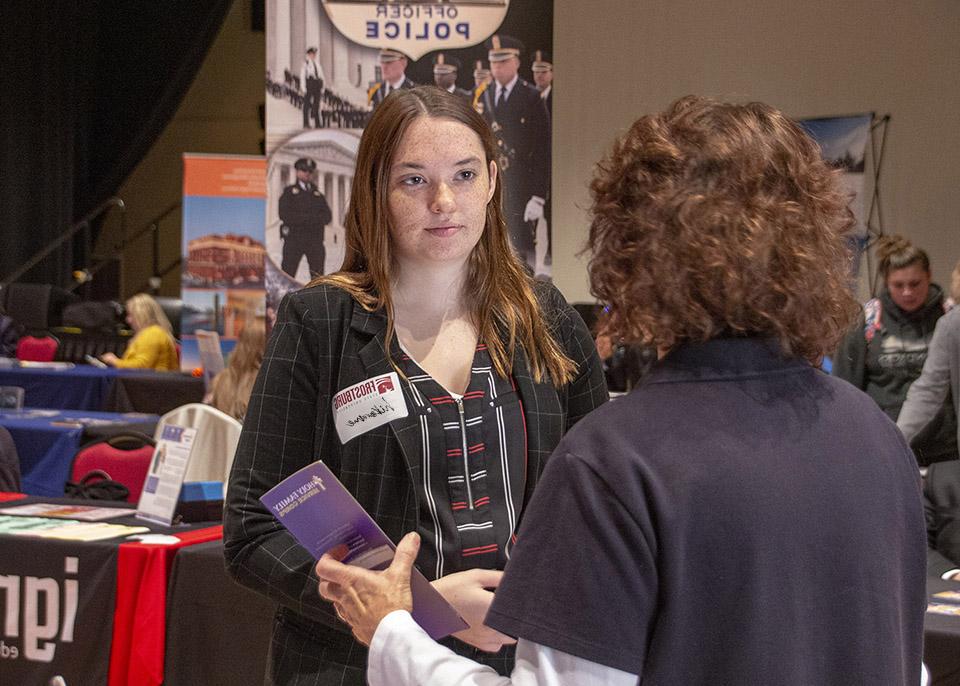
x: 405, y: 556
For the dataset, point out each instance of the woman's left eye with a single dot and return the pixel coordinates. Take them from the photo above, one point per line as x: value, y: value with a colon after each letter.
x: 467, y: 174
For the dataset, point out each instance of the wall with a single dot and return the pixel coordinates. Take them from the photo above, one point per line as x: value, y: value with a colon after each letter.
x: 811, y: 58
x: 217, y: 115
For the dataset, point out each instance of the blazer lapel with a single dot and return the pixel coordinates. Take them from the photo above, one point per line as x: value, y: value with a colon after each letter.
x: 374, y: 358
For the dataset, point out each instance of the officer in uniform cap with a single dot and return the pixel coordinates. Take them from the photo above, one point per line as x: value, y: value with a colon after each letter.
x: 393, y: 68
x: 542, y: 69
x: 303, y: 215
x: 519, y: 119
x: 311, y: 80
x: 446, y: 68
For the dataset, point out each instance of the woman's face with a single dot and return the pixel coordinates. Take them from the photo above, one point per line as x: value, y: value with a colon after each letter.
x: 440, y: 184
x: 909, y: 287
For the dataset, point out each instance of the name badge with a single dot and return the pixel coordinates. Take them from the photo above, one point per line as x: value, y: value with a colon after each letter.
x: 367, y: 405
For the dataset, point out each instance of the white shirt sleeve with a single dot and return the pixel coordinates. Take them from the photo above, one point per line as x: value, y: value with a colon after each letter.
x: 402, y: 654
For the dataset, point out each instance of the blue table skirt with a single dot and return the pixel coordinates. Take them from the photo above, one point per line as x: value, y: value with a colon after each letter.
x: 80, y: 388
x: 47, y: 440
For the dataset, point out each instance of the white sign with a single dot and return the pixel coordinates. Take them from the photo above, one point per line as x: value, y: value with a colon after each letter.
x: 211, y: 355
x: 416, y: 28
x: 161, y: 490
x: 367, y: 405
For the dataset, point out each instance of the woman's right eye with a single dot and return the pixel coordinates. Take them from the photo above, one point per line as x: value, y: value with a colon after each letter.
x: 413, y: 181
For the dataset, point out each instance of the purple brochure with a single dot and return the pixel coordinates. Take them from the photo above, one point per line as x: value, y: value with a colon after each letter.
x: 322, y: 515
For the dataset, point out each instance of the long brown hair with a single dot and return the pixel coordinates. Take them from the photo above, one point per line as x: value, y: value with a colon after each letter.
x: 502, y: 302
x: 231, y: 388
x: 714, y: 219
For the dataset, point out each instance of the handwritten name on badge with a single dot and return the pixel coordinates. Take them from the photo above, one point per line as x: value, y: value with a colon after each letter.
x: 367, y: 405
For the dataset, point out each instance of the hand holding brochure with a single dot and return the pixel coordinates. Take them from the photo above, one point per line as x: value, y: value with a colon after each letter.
x: 322, y: 515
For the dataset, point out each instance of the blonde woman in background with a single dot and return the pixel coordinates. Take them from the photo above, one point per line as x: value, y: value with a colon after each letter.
x: 152, y: 346
x: 230, y: 390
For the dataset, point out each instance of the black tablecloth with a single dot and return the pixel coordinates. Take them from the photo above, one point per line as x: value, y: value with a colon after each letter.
x: 218, y: 632
x: 154, y: 392
x: 941, y: 639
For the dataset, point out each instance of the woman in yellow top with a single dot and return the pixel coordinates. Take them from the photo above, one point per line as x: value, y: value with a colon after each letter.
x: 152, y: 346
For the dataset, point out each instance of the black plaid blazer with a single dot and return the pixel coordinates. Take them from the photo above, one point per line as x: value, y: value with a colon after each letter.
x: 323, y: 341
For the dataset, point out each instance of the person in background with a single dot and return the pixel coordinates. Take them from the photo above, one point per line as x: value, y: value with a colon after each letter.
x: 304, y: 215
x: 311, y: 80
x: 884, y: 353
x: 741, y: 517
x: 934, y: 396
x: 492, y: 367
x: 152, y: 346
x: 231, y: 388
x: 518, y: 117
x: 393, y: 69
x: 542, y: 69
x: 446, y: 68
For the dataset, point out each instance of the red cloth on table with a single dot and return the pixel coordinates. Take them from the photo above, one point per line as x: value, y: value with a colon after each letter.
x: 139, y: 617
x: 10, y: 496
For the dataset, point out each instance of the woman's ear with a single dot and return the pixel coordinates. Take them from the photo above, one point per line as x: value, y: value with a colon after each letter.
x: 493, y: 180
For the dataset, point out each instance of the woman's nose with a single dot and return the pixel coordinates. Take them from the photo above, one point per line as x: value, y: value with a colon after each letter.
x: 443, y: 202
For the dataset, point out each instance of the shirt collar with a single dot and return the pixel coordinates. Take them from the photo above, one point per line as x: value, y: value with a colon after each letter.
x: 508, y: 89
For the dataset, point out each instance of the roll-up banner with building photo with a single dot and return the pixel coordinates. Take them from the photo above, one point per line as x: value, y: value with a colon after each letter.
x: 331, y: 62
x: 843, y: 143
x: 223, y: 249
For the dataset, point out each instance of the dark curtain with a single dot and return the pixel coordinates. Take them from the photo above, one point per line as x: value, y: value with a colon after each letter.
x: 86, y: 86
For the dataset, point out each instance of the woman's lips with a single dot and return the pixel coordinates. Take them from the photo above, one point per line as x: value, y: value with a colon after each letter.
x: 444, y: 231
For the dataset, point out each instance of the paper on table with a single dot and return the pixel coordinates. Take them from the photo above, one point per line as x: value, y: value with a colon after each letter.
x: 86, y: 513
x: 322, y: 515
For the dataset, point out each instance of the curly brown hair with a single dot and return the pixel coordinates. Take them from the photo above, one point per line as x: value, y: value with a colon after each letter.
x: 713, y: 219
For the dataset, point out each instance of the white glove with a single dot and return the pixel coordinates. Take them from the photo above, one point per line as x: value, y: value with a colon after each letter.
x: 534, y: 209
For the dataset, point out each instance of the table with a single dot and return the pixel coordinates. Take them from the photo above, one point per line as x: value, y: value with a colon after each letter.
x: 941, y: 639
x: 79, y: 388
x: 47, y: 441
x: 84, y: 387
x: 218, y: 632
x: 153, y: 392
x: 120, y: 598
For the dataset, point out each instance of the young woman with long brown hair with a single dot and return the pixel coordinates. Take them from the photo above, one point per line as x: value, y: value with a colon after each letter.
x: 494, y: 368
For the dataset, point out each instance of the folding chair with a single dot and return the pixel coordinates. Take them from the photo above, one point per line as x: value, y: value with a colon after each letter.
x: 37, y: 349
x: 216, y: 442
x: 125, y: 458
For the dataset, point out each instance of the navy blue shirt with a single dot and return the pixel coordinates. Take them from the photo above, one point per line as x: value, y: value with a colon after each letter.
x: 740, y: 518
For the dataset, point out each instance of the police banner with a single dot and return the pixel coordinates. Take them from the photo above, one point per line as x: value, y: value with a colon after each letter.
x: 329, y: 65
x: 56, y: 601
x: 222, y: 280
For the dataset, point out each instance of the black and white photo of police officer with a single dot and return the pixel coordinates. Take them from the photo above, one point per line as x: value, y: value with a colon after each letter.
x: 311, y: 80
x: 303, y: 215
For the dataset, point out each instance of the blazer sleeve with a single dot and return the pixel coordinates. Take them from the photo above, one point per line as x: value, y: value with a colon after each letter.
x: 588, y: 390
x: 279, y: 436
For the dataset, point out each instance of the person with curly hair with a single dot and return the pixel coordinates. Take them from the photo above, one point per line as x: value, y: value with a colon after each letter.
x: 884, y: 352
x: 740, y: 517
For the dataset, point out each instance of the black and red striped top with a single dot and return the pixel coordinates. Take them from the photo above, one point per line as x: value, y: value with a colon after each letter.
x: 473, y: 467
